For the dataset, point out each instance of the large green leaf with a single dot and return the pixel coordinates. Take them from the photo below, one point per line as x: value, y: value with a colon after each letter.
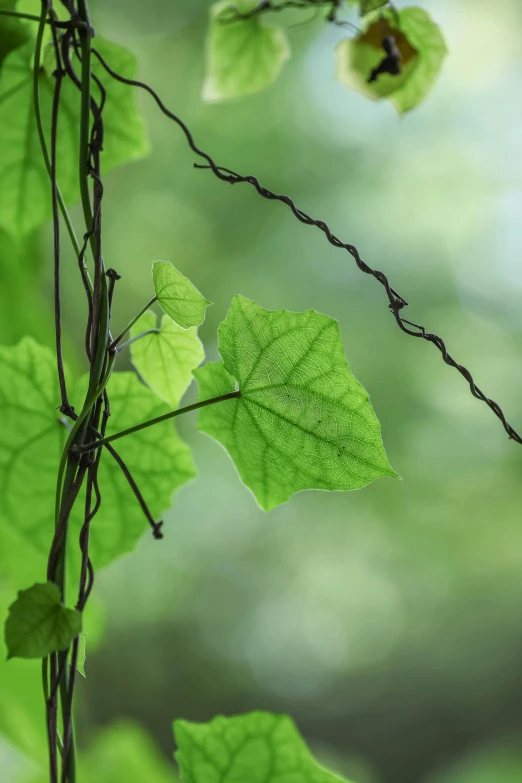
x: 254, y: 748
x: 303, y: 421
x: 422, y: 49
x: 25, y: 193
x: 158, y: 459
x: 178, y: 297
x: 32, y: 438
x: 165, y: 359
x: 38, y: 624
x: 243, y: 56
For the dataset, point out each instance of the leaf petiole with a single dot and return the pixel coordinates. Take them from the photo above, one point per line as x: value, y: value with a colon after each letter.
x: 171, y: 415
x: 138, y: 337
x: 129, y: 326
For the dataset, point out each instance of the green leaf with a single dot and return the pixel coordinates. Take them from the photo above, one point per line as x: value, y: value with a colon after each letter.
x: 158, y: 459
x: 166, y: 358
x: 24, y: 196
x: 303, y: 421
x: 243, y: 56
x: 254, y: 748
x: 177, y: 296
x: 365, y: 6
x: 82, y: 654
x: 32, y: 438
x: 13, y: 33
x: 422, y: 49
x: 38, y: 624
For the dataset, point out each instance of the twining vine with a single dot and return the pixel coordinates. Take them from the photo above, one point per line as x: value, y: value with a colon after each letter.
x: 308, y: 409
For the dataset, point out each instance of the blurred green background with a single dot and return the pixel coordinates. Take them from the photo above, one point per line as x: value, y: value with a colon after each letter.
x: 387, y: 621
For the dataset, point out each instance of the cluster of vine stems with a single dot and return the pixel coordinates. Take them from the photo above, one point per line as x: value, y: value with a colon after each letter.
x: 74, y: 52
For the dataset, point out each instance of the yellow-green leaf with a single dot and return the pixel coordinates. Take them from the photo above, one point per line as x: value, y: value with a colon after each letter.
x: 243, y: 56
x: 177, y: 296
x: 302, y: 421
x: 165, y: 358
x: 421, y: 46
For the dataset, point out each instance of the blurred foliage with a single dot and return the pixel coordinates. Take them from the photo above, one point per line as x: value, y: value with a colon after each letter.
x: 387, y: 621
x: 120, y: 753
x: 500, y: 763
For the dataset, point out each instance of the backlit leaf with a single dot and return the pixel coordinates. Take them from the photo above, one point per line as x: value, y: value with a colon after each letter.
x: 254, y: 748
x: 303, y: 421
x: 243, y: 56
x: 38, y: 624
x: 25, y: 193
x: 177, y: 296
x: 165, y: 359
x: 420, y: 43
x: 33, y: 434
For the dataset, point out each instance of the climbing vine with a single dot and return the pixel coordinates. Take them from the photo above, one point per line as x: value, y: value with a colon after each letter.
x: 281, y: 399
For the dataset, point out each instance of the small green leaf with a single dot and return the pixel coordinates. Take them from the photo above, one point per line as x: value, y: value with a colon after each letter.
x: 38, y: 624
x: 165, y: 359
x: 24, y: 195
x: 422, y: 48
x: 254, y: 748
x: 303, y: 421
x: 82, y: 654
x: 243, y: 56
x: 177, y: 296
x: 365, y: 6
x: 32, y: 438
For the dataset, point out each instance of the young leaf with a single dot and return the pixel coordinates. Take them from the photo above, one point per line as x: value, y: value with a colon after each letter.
x: 165, y: 359
x: 243, y: 56
x: 177, y: 296
x: 38, y: 624
x: 24, y: 196
x: 256, y: 748
x: 303, y: 421
x: 33, y: 435
x: 422, y: 51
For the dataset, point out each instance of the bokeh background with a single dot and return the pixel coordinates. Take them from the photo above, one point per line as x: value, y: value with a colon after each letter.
x: 388, y: 621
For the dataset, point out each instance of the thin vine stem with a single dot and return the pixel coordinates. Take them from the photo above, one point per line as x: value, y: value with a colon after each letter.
x: 129, y: 326
x: 66, y: 25
x: 151, y: 422
x: 39, y: 124
x: 127, y: 343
